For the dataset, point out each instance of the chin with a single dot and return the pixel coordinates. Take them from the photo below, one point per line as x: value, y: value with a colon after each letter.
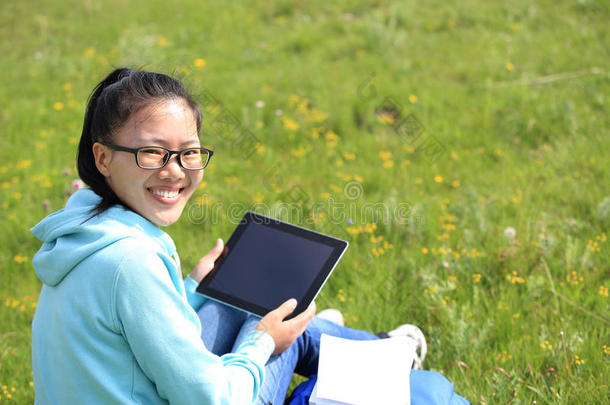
x: 165, y: 218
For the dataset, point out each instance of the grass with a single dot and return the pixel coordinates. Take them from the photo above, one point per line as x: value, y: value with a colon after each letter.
x: 513, y: 106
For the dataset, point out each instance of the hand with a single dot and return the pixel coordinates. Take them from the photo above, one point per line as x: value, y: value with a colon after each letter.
x: 206, y: 263
x: 284, y: 333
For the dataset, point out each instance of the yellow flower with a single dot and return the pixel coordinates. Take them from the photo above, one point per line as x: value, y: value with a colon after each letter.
x: 260, y: 149
x: 510, y: 67
x: 385, y: 155
x: 19, y: 258
x: 290, y: 124
x: 387, y: 164
x: 335, y: 188
x: 455, y: 183
x: 419, y: 180
x: 331, y: 139
x: 385, y: 118
x: 58, y: 106
x: 67, y: 86
x: 316, y: 115
x: 424, y: 251
x: 202, y: 200
x: 90, y: 51
x: 514, y: 278
x: 300, y: 151
x: 162, y: 41
x: 293, y: 99
x: 349, y: 156
x: 476, y: 278
x: 438, y: 179
x: 231, y: 179
x: 413, y: 98
x: 199, y: 62
x: 23, y: 164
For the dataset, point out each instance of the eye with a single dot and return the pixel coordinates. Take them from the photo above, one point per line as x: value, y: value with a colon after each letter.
x: 153, y: 151
x: 191, y: 152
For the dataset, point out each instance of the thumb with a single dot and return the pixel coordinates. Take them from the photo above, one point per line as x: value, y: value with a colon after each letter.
x: 216, y: 251
x: 286, y: 308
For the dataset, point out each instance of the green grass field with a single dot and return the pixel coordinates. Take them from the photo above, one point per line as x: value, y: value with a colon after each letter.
x: 421, y: 132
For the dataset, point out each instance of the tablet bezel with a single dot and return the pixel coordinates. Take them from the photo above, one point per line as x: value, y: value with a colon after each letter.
x: 338, y: 245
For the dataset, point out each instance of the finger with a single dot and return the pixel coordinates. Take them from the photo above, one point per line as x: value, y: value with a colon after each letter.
x: 286, y: 308
x: 213, y: 254
x: 301, y: 320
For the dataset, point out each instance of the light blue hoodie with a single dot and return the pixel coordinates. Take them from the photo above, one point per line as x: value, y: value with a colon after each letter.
x: 115, y: 322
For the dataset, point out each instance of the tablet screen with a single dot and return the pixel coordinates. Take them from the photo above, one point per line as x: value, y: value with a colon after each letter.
x: 267, y: 262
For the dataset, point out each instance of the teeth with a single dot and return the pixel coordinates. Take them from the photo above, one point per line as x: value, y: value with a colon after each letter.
x: 165, y: 193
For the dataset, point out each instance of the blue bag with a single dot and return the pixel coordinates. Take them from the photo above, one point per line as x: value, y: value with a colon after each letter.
x: 427, y: 388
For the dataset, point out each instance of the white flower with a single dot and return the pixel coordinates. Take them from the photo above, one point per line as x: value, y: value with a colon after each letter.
x: 77, y: 184
x: 278, y: 112
x: 259, y: 104
x: 510, y: 233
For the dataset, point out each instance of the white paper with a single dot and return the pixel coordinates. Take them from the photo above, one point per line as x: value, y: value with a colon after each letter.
x: 364, y: 372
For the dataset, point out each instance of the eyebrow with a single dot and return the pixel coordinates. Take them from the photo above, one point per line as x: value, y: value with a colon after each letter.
x: 161, y: 141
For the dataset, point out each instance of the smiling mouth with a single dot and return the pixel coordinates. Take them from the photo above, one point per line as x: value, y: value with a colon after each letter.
x: 164, y: 195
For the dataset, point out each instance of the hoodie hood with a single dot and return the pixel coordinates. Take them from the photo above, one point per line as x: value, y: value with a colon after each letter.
x: 72, y: 234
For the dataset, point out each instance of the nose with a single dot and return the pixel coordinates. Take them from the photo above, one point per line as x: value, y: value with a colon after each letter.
x: 172, y: 170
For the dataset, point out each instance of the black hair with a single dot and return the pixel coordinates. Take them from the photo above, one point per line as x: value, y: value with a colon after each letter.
x: 122, y: 93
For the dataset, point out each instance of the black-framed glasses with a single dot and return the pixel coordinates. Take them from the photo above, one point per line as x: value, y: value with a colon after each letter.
x: 156, y: 157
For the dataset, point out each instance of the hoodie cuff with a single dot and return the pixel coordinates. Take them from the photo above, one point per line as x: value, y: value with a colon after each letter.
x: 194, y: 299
x: 258, y: 346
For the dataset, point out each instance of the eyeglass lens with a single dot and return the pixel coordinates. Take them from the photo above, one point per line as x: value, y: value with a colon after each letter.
x: 154, y: 158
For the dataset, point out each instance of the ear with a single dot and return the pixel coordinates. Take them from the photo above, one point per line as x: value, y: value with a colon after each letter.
x: 102, y: 155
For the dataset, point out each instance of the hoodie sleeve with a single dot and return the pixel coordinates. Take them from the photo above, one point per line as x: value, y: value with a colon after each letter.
x: 164, y: 332
x: 194, y: 299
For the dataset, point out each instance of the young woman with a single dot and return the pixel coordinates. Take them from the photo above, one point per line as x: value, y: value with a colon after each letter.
x: 115, y: 321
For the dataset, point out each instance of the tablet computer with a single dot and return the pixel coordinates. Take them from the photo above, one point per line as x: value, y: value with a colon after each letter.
x: 266, y: 262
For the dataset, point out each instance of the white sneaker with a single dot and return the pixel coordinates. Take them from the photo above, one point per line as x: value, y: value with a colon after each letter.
x: 413, y: 332
x: 331, y: 314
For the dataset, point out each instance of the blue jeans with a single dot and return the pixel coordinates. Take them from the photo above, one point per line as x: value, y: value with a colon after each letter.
x: 224, y: 327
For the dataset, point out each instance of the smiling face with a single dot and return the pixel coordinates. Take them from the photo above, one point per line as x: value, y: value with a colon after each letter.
x: 158, y: 195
